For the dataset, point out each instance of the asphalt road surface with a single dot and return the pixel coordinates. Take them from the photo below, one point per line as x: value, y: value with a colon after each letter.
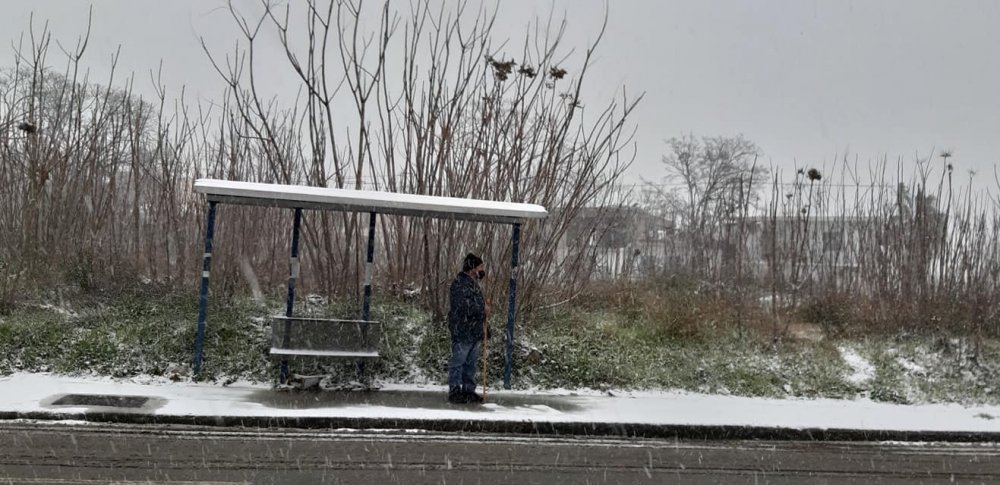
x: 81, y: 453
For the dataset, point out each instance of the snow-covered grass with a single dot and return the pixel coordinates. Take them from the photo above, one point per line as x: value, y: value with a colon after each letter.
x: 937, y: 369
x: 574, y: 347
x: 131, y: 334
x: 599, y: 349
x: 862, y: 370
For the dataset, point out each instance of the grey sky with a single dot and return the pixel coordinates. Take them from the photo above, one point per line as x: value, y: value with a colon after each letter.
x: 805, y: 80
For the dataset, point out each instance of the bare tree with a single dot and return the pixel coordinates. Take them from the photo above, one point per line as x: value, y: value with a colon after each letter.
x: 709, y: 180
x: 438, y: 107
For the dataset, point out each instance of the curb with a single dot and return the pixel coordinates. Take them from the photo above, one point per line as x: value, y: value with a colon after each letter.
x: 621, y: 430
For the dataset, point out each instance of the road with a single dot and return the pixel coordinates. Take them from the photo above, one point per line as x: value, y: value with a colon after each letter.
x: 82, y: 453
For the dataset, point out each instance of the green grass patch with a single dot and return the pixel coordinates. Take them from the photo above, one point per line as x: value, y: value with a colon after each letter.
x: 604, y: 350
x: 132, y: 335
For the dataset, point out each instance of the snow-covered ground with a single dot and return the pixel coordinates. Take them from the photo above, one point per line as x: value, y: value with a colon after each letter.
x: 36, y: 392
x: 862, y: 370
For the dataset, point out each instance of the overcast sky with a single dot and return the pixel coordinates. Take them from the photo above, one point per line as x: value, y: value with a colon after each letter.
x: 805, y: 80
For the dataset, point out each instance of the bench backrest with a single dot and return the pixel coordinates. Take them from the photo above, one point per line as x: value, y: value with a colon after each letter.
x: 323, y: 334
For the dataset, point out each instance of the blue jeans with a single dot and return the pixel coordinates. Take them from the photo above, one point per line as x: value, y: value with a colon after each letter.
x: 462, y: 367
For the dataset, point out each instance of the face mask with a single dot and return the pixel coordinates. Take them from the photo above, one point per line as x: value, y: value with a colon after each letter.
x: 481, y: 274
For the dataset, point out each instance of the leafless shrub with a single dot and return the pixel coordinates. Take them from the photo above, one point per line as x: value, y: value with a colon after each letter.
x: 103, y: 172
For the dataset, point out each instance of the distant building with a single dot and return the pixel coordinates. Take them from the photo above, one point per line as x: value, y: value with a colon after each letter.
x: 630, y: 242
x: 806, y: 248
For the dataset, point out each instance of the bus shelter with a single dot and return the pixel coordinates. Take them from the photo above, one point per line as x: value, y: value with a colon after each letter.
x: 299, y: 198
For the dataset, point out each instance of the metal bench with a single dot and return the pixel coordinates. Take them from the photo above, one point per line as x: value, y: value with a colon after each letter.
x: 294, y: 337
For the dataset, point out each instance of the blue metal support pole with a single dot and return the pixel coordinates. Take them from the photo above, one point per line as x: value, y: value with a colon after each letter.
x: 206, y: 266
x: 293, y: 275
x: 366, y: 304
x: 511, y: 305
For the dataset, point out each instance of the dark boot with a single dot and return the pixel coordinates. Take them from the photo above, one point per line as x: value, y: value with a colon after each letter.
x: 473, y: 397
x: 456, y: 396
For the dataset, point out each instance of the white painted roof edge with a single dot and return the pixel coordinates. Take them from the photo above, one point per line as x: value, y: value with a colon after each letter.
x: 365, y: 199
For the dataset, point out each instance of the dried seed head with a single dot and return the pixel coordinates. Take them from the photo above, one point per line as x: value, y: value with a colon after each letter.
x: 814, y: 175
x: 501, y: 69
x: 28, y: 127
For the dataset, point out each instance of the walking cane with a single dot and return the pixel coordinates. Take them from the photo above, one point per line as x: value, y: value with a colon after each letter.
x: 486, y: 334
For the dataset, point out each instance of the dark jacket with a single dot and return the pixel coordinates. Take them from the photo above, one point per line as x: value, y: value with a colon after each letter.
x: 468, y: 309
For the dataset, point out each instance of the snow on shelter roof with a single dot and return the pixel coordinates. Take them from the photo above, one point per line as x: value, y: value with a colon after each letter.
x: 347, y: 200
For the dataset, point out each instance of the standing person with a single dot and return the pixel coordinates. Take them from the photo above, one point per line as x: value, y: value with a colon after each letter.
x: 466, y: 321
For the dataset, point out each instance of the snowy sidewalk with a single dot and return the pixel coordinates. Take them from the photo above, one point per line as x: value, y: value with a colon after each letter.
x: 659, y: 414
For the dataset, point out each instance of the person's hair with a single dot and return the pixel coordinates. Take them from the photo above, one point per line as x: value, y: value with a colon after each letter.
x: 471, y: 261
